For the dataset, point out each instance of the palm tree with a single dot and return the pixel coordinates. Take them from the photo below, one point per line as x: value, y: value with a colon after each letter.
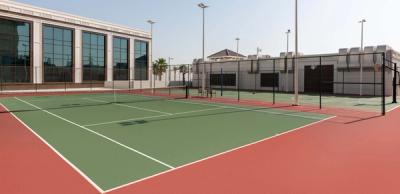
x: 183, y: 69
x: 159, y: 67
x: 175, y: 69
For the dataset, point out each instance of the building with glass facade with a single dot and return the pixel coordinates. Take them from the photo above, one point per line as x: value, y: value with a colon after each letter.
x: 39, y: 46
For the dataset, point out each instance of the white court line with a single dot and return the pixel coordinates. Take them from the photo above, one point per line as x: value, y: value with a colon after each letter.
x: 101, y: 135
x: 216, y: 155
x: 394, y: 108
x: 55, y: 151
x: 124, y: 105
x: 247, y: 109
x: 151, y: 117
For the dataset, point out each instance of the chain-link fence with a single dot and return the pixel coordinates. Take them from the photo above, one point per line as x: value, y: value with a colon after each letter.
x: 355, y: 81
x: 15, y: 79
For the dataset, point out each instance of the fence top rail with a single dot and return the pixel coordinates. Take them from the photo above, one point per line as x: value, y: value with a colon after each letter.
x: 294, y: 57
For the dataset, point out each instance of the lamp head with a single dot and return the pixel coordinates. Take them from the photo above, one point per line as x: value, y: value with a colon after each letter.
x: 202, y: 5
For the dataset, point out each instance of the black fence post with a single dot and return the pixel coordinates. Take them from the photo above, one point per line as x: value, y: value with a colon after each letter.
x: 273, y: 82
x: 35, y: 79
x: 187, y: 91
x: 209, y: 79
x: 255, y: 76
x: 221, y: 81
x: 395, y: 84
x: 65, y: 81
x: 320, y: 82
x: 383, y: 85
x: 238, y: 80
x: 1, y: 79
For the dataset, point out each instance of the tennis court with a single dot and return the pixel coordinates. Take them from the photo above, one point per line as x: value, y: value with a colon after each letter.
x: 118, y: 138
x: 365, y: 103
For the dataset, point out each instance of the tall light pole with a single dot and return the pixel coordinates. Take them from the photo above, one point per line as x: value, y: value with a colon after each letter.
x: 362, y: 51
x: 151, y: 22
x: 287, y: 65
x: 203, y: 80
x: 238, y: 67
x: 296, y: 65
x: 258, y: 52
x: 169, y: 70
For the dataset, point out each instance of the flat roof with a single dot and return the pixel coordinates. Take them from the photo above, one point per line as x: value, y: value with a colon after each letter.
x: 38, y: 12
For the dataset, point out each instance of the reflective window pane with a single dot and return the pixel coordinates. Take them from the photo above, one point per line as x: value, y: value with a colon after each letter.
x: 47, y: 32
x: 93, y: 57
x: 86, y: 38
x: 15, y: 63
x: 58, y: 51
x: 141, y: 60
x: 58, y: 34
x: 120, y: 63
x: 67, y: 35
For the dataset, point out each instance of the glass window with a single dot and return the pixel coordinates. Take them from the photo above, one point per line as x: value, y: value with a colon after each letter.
x: 86, y: 38
x: 141, y: 60
x: 58, y: 51
x: 93, y: 57
x: 120, y: 53
x: 15, y: 65
x: 93, y: 39
x: 58, y: 34
x: 67, y: 35
x: 47, y: 33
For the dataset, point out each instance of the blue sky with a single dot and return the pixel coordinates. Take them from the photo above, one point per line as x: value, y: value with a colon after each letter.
x: 325, y: 25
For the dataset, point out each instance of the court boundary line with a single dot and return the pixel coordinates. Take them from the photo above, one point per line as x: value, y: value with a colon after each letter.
x: 217, y: 155
x: 99, y: 134
x: 55, y: 151
x: 393, y: 108
x: 151, y: 117
x: 127, y: 106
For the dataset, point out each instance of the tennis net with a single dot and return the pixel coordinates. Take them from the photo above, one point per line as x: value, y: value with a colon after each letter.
x: 80, y: 99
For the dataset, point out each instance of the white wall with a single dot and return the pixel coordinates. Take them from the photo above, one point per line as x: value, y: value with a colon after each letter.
x: 251, y: 81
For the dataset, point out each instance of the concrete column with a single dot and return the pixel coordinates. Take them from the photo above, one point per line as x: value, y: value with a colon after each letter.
x: 132, y: 58
x: 37, y: 52
x: 109, y: 62
x: 78, y: 55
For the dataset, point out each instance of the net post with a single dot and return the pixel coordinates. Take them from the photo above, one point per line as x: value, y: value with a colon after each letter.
x: 273, y: 82
x: 383, y: 84
x: 320, y: 82
x: 395, y: 84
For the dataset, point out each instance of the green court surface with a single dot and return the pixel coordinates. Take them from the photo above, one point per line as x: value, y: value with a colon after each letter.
x: 139, y: 136
x: 366, y: 103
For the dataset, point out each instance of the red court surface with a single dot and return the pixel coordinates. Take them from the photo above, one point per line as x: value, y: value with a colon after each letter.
x: 28, y: 166
x: 352, y: 153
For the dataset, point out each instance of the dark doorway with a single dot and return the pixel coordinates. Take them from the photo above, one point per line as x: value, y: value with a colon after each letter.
x: 312, y: 78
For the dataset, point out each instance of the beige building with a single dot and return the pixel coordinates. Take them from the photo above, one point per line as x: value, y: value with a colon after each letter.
x: 340, y: 72
x: 41, y: 46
